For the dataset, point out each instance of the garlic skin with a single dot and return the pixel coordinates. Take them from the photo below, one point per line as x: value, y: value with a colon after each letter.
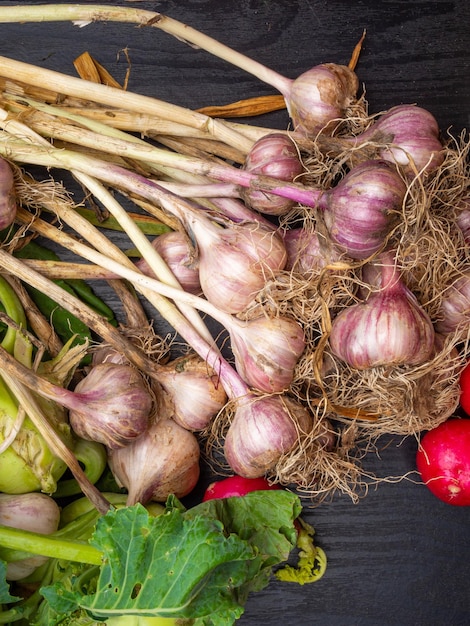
x: 390, y: 328
x: 107, y: 354
x: 308, y: 252
x: 273, y: 155
x: 195, y: 391
x: 362, y: 209
x: 36, y: 512
x: 235, y: 262
x: 162, y: 461
x: 113, y: 407
x: 262, y: 431
x: 266, y: 351
x: 454, y: 312
x: 463, y: 220
x: 320, y: 96
x: 414, y: 138
x: 175, y: 249
x: 8, y: 201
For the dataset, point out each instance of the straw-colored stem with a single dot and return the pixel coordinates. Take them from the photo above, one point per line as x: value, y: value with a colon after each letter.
x: 117, y: 176
x: 152, y: 125
x: 83, y: 15
x: 132, y: 275
x: 231, y: 208
x: 100, y: 242
x: 149, y: 253
x: 77, y: 307
x: 67, y: 270
x: 111, y: 96
x: 231, y: 381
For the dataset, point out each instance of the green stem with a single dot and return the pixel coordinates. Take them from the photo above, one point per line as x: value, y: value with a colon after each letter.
x: 148, y: 225
x: 92, y: 455
x: 14, y: 310
x: 46, y: 545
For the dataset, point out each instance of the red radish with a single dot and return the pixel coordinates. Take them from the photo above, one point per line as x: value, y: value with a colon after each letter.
x: 443, y: 460
x: 236, y: 486
x: 465, y: 389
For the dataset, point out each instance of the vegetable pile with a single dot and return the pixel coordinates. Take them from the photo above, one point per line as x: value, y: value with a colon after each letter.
x: 331, y: 257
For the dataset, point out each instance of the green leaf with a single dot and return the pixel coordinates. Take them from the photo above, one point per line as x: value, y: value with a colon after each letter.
x: 165, y: 564
x: 5, y: 596
x: 197, y: 564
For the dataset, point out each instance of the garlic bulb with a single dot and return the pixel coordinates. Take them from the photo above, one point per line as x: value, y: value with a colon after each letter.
x: 175, y: 249
x: 390, y: 328
x: 320, y: 96
x: 266, y: 351
x: 194, y: 389
x: 363, y: 207
x: 36, y: 512
x: 162, y: 461
x: 111, y: 405
x: 262, y: 431
x: 308, y: 252
x: 273, y: 155
x: 8, y: 204
x: 235, y: 262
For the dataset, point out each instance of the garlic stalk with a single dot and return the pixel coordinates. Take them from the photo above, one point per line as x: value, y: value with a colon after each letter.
x: 315, y: 99
x: 149, y: 253
x: 103, y: 94
x: 266, y: 349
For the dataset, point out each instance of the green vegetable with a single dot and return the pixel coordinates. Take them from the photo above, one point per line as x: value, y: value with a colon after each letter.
x: 12, y: 306
x: 198, y: 564
x: 148, y: 225
x: 27, y: 464
x: 92, y: 456
x: 312, y: 560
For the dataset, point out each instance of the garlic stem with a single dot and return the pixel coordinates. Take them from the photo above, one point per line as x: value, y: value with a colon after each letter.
x: 133, y: 275
x: 78, y: 308
x: 149, y: 253
x: 119, y: 177
x: 233, y: 209
x: 233, y: 384
x: 151, y: 125
x: 288, y: 337
x: 82, y: 15
x: 112, y: 96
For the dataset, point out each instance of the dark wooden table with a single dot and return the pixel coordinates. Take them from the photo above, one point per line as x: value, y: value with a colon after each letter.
x: 399, y: 556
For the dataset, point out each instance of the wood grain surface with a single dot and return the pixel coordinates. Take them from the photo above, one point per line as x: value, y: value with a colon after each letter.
x: 398, y: 557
